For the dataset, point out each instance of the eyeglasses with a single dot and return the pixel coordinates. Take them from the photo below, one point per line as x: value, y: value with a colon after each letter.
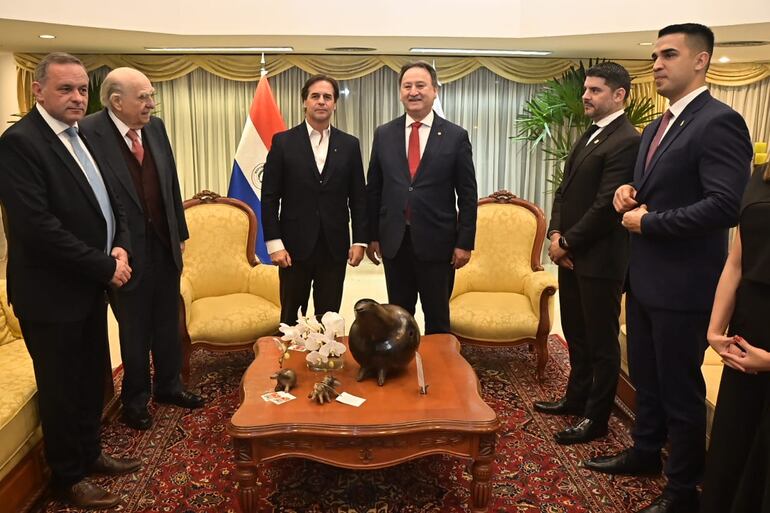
x: 146, y: 97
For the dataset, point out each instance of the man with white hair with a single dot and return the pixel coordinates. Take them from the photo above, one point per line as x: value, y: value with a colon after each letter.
x: 136, y: 148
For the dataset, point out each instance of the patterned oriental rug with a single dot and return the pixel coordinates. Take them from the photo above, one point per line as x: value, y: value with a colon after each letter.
x: 188, y: 462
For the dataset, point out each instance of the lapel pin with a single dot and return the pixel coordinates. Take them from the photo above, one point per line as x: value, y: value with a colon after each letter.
x: 438, y: 133
x: 682, y: 123
x: 596, y: 141
x: 335, y: 150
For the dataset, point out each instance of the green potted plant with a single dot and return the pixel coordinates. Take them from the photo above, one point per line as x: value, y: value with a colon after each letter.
x: 554, y: 118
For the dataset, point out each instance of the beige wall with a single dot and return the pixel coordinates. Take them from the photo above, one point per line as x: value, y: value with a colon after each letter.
x: 8, y: 106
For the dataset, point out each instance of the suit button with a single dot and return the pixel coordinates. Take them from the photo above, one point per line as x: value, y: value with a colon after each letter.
x: 411, y: 189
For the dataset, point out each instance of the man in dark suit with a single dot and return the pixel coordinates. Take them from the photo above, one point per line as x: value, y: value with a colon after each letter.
x: 420, y: 174
x: 314, y: 176
x: 136, y: 151
x: 591, y: 248
x: 692, y: 167
x: 67, y: 242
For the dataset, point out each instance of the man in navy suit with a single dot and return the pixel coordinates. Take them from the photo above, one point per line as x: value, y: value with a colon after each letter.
x: 314, y: 176
x: 692, y: 168
x: 135, y: 148
x: 67, y: 242
x: 421, y: 197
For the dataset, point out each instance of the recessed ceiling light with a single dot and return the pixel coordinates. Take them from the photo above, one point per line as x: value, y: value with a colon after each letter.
x: 724, y: 59
x: 480, y: 51
x: 645, y: 43
x: 222, y: 49
x: 47, y: 36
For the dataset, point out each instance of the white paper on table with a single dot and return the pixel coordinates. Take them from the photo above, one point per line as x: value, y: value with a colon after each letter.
x: 279, y: 397
x: 350, y: 399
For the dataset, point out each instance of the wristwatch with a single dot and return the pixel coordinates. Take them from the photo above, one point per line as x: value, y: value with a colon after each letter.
x: 563, y: 243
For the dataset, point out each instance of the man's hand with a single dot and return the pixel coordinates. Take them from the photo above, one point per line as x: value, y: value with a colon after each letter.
x: 558, y: 255
x: 122, y: 270
x: 355, y: 255
x: 624, y: 199
x: 373, y: 252
x: 281, y: 258
x: 632, y: 220
x: 460, y: 257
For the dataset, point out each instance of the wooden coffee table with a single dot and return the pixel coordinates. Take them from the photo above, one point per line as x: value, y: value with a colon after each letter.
x: 395, y: 424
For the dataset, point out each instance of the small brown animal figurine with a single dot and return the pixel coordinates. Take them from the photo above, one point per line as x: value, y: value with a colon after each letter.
x: 383, y: 339
x: 323, y: 391
x: 286, y: 380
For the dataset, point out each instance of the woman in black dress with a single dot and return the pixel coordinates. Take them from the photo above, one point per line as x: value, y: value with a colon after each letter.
x: 737, y: 462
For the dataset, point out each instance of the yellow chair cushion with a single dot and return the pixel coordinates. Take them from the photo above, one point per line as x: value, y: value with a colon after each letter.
x: 215, y: 260
x: 493, y: 316
x: 232, y: 319
x: 19, y: 417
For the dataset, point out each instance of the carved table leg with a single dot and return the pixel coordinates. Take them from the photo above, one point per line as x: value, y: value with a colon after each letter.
x: 481, y: 472
x: 246, y: 473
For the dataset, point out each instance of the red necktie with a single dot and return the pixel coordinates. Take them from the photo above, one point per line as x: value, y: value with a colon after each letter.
x: 658, y: 136
x: 414, y: 149
x: 136, y: 145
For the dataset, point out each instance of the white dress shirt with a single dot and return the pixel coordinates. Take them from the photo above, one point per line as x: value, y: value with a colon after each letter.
x: 424, y: 131
x: 606, y: 120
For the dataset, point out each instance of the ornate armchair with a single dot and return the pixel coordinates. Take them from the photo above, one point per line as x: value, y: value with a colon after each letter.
x: 503, y: 297
x: 229, y: 299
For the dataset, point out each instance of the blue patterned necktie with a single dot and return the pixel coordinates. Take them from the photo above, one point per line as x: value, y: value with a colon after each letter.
x: 96, y: 182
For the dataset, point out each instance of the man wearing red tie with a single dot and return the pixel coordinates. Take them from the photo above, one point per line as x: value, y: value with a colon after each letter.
x: 421, y: 198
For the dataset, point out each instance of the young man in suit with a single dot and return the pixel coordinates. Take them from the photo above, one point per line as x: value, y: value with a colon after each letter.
x: 421, y: 195
x: 591, y: 248
x: 67, y: 242
x: 135, y: 148
x: 313, y: 186
x: 692, y: 168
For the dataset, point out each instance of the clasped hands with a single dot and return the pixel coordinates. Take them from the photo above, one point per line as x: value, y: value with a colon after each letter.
x: 557, y: 254
x: 738, y: 354
x: 122, y: 269
x: 625, y: 203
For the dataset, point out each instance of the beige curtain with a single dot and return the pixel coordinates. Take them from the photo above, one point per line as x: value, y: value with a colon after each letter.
x: 245, y: 68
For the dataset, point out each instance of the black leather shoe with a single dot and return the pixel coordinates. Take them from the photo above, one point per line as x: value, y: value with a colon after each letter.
x: 584, y: 431
x: 141, y: 420
x: 628, y: 462
x: 86, y: 495
x: 184, y: 399
x: 560, y: 407
x: 668, y: 503
x: 106, y: 465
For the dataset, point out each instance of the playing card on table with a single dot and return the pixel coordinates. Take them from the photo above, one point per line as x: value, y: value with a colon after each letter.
x: 278, y: 397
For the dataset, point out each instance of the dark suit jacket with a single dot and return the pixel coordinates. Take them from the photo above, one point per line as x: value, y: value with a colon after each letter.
x: 311, y: 202
x: 57, y: 266
x: 445, y: 183
x: 103, y: 135
x: 693, y: 191
x: 582, y: 206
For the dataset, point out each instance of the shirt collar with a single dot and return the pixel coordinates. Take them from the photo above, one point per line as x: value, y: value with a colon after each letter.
x: 678, y: 107
x: 606, y: 120
x: 427, y: 120
x: 122, y: 127
x: 57, y: 126
x: 310, y: 129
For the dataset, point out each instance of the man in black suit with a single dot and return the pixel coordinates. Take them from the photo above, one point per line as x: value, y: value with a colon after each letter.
x: 692, y: 168
x: 137, y: 154
x: 314, y: 174
x: 420, y: 174
x: 591, y: 248
x: 67, y: 242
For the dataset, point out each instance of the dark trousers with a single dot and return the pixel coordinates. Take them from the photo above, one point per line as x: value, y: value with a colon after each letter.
x: 665, y: 354
x: 148, y: 314
x: 590, y: 308
x: 70, y: 360
x: 323, y: 272
x: 406, y: 277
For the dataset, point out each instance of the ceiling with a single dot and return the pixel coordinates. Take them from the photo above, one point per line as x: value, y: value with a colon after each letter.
x: 22, y: 36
